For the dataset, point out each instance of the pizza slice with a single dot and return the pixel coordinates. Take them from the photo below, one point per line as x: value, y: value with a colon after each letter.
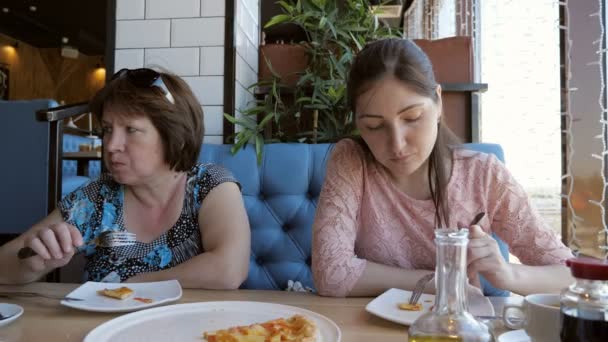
x: 119, y: 293
x: 410, y: 307
x: 296, y: 328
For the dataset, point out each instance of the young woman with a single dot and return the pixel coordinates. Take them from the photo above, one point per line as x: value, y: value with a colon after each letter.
x: 385, y: 193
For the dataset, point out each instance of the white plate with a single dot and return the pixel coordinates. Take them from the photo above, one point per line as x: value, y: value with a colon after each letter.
x: 514, y: 336
x: 12, y: 310
x: 160, y: 292
x: 386, y: 306
x: 187, y: 322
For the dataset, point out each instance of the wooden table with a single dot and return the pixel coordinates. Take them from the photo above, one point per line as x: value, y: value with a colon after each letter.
x: 47, y: 320
x: 82, y: 159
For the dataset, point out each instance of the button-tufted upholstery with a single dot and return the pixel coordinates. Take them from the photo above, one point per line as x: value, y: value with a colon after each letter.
x: 280, y: 197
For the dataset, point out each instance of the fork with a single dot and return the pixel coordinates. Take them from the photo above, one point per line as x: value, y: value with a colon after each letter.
x: 420, y: 285
x: 109, y: 238
x: 36, y: 294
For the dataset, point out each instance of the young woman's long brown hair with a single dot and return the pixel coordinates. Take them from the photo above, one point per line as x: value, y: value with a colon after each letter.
x: 406, y: 62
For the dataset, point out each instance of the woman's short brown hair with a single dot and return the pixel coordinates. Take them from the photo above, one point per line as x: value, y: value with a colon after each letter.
x: 180, y: 125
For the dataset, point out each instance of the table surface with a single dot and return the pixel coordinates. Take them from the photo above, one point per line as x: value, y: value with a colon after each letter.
x: 47, y: 320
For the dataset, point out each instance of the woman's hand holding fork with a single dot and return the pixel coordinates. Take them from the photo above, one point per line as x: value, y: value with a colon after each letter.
x: 55, y: 245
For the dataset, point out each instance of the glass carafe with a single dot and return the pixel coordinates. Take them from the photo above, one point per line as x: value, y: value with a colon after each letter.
x: 584, y: 304
x: 449, y: 319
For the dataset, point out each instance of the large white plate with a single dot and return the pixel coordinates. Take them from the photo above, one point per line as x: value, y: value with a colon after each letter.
x: 514, y: 336
x: 11, y: 311
x: 160, y: 292
x: 386, y: 306
x: 187, y: 322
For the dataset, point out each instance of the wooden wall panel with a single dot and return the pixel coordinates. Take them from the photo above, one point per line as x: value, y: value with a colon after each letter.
x: 44, y: 73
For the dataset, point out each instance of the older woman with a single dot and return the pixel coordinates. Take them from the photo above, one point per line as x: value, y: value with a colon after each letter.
x: 385, y: 193
x: 188, y: 218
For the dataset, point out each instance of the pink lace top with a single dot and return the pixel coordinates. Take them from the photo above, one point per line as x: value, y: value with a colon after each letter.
x: 362, y: 215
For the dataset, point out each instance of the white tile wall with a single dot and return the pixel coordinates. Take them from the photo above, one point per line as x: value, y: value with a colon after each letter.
x: 186, y: 37
x: 245, y: 75
x: 247, y: 40
x: 197, y: 32
x: 252, y: 56
x: 240, y: 97
x: 142, y: 33
x: 212, y: 60
x: 172, y: 9
x: 180, y: 61
x: 128, y: 58
x: 130, y: 9
x: 213, y: 139
x: 213, y: 8
x: 209, y: 90
x: 214, y: 120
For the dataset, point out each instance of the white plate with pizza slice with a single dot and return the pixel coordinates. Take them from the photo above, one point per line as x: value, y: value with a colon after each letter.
x: 189, y: 322
x: 387, y: 306
x: 143, y: 296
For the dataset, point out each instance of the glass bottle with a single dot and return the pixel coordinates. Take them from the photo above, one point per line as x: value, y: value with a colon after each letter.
x: 449, y: 319
x: 584, y: 304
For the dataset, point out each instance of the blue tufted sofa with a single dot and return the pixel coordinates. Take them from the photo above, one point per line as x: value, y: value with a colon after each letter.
x: 280, y: 197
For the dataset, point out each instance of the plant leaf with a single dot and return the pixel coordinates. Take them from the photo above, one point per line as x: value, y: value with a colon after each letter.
x: 259, y: 147
x: 277, y: 19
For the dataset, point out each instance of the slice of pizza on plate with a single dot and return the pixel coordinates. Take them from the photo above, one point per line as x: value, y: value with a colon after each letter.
x: 119, y: 293
x: 296, y: 328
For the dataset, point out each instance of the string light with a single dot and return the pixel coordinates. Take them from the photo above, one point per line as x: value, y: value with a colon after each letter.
x: 601, y: 97
x: 567, y: 196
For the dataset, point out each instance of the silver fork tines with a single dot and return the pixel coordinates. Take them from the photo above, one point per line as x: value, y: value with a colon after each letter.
x: 419, y: 288
x: 112, y: 238
x: 108, y: 239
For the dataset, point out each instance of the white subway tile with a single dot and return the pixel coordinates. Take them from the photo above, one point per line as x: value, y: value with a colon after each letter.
x: 213, y: 8
x: 252, y: 56
x: 129, y: 58
x: 212, y: 60
x: 240, y: 98
x: 180, y: 61
x: 213, y: 139
x: 240, y: 41
x: 209, y: 90
x: 245, y: 74
x: 172, y: 9
x: 130, y: 9
x: 214, y: 120
x: 251, y: 27
x: 243, y: 99
x: 142, y: 33
x: 197, y: 32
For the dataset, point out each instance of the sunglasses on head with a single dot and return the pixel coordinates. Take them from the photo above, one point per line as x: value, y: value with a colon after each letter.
x: 145, y: 78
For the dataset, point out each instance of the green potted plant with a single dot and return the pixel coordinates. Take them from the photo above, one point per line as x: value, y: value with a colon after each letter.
x: 315, y: 108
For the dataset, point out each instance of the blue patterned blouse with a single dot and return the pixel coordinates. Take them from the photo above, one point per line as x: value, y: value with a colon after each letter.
x: 98, y: 206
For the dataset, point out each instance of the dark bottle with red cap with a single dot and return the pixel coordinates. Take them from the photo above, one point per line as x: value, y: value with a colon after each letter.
x: 584, y: 304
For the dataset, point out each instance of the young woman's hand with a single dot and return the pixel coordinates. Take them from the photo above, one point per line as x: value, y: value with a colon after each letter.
x: 54, y: 245
x: 484, y: 258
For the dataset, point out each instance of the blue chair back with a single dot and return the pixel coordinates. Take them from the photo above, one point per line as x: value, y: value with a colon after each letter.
x: 24, y: 173
x: 280, y: 197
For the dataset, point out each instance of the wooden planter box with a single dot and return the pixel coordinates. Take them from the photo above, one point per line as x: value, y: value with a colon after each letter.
x: 287, y: 60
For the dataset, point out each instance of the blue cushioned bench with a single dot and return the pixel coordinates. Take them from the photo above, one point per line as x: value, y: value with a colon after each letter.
x: 280, y: 197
